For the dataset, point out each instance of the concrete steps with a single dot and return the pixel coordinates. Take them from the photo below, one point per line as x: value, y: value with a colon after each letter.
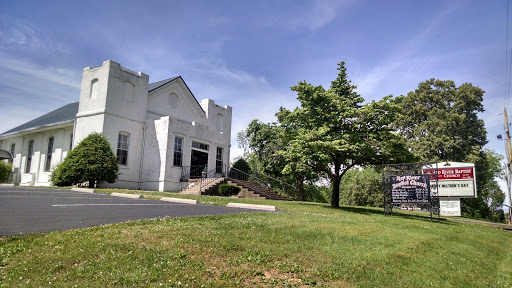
x: 256, y: 191
x: 194, y: 186
x: 248, y: 189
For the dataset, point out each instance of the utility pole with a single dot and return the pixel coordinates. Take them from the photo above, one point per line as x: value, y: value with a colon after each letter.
x: 508, y: 171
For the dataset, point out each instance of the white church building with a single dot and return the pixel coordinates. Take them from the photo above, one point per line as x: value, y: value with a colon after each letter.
x: 158, y: 131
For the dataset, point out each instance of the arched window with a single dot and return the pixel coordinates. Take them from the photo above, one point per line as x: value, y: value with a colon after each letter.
x: 30, y: 153
x: 220, y: 122
x: 122, y: 148
x: 49, y: 153
x: 94, y: 89
x: 129, y: 91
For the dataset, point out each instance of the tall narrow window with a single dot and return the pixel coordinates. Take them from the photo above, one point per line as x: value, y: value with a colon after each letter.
x: 13, y: 151
x: 129, y: 93
x: 178, y: 151
x: 29, y: 156
x: 71, y: 142
x: 122, y: 148
x: 220, y: 122
x: 49, y: 153
x: 94, y: 89
x: 218, y: 162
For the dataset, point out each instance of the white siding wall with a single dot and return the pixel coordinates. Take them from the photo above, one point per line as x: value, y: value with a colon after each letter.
x: 37, y: 175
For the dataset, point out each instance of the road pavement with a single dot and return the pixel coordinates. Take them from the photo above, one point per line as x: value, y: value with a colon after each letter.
x: 36, y: 210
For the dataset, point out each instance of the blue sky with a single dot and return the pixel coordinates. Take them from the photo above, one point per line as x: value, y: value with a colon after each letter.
x: 247, y: 54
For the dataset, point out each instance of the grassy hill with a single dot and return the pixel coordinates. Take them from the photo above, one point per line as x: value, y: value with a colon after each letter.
x: 311, y: 246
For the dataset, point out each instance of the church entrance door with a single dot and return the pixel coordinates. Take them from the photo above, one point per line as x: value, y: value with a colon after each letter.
x: 198, y: 161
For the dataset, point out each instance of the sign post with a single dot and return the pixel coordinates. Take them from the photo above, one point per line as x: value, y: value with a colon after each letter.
x: 455, y: 180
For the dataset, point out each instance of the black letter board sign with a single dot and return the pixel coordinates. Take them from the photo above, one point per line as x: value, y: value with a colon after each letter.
x: 413, y: 189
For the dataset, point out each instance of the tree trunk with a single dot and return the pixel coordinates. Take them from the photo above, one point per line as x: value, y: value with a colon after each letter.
x: 300, y: 187
x: 92, y: 183
x: 335, y: 198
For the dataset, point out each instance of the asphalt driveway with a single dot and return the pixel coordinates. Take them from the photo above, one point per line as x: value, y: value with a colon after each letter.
x: 36, y: 210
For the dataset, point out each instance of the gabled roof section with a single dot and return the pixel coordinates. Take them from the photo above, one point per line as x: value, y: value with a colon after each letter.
x: 66, y: 113
x: 156, y: 85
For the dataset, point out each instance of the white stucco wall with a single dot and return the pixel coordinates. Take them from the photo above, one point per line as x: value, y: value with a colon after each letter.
x: 118, y: 103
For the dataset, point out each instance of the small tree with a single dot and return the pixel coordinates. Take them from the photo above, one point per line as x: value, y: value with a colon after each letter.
x: 92, y: 160
x: 242, y: 165
x: 5, y: 169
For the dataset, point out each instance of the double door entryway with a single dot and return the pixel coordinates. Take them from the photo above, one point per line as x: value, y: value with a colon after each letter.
x: 198, y: 161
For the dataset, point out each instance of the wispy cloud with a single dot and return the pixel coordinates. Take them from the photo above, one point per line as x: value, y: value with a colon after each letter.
x: 17, y: 33
x: 402, y: 59
x: 28, y: 90
x: 318, y: 14
x: 251, y: 96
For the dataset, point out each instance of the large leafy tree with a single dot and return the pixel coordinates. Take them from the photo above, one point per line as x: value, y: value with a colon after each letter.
x: 91, y: 161
x: 335, y: 131
x: 440, y: 122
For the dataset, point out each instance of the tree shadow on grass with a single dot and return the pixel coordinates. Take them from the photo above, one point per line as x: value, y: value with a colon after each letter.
x: 404, y: 215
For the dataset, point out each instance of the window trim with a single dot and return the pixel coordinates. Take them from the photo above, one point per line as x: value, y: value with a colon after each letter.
x: 178, y: 151
x: 30, y: 154
x: 207, y: 146
x: 121, y: 149
x: 218, y: 167
x: 49, y: 153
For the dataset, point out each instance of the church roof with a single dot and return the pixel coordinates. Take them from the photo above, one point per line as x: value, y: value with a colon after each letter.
x: 66, y: 113
x: 156, y: 85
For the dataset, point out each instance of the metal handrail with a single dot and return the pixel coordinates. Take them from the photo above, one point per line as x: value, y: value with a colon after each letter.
x: 257, y: 178
x: 207, y: 180
x: 263, y: 180
x: 183, y: 185
x: 190, y: 172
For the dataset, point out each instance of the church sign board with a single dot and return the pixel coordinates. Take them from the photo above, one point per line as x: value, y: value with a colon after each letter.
x: 410, y: 189
x: 454, y: 179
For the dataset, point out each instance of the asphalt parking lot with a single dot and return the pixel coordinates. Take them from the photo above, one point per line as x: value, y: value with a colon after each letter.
x: 37, y: 210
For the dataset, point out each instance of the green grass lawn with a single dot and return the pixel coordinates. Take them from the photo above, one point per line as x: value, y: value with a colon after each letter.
x: 312, y: 246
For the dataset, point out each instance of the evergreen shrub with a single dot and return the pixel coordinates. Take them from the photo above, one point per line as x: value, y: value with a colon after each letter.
x: 228, y: 190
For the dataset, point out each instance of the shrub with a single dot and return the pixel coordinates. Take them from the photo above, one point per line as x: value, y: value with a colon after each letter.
x: 228, y: 190
x: 92, y: 160
x: 362, y: 188
x: 242, y: 165
x: 314, y: 193
x: 5, y: 170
